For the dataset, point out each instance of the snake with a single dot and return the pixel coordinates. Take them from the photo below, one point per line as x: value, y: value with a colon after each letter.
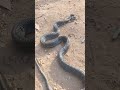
x: 20, y: 35
x: 23, y: 33
x: 53, y: 39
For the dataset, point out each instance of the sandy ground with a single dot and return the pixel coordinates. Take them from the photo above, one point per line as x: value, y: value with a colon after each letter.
x: 102, y: 66
x: 18, y: 77
x: 47, y: 12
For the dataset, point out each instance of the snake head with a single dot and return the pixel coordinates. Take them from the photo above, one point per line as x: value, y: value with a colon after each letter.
x: 71, y: 18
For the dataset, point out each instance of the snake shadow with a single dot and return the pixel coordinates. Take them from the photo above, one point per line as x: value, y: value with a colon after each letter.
x: 40, y: 51
x: 64, y: 79
x: 56, y: 73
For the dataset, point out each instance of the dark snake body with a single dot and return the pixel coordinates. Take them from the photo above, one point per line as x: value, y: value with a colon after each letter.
x: 21, y: 33
x: 55, y: 40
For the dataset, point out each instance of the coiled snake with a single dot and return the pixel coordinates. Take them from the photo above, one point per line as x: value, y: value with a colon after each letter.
x: 55, y: 40
x: 23, y: 33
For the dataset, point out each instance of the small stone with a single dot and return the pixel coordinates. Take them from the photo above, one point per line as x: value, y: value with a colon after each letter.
x: 37, y: 26
x: 71, y: 35
x: 67, y: 55
x: 55, y: 88
x: 83, y: 40
x: 76, y: 23
x: 42, y: 62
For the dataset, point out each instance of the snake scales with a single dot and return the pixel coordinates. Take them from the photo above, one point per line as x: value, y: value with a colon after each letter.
x: 51, y: 40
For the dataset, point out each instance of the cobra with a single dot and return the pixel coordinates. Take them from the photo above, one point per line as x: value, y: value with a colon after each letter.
x: 53, y: 39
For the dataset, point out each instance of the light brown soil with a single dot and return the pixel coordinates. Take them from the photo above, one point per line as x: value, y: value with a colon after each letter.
x: 47, y: 12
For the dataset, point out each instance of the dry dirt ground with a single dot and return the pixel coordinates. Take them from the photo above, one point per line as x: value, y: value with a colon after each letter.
x: 47, y: 12
x: 103, y: 57
x: 17, y: 77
